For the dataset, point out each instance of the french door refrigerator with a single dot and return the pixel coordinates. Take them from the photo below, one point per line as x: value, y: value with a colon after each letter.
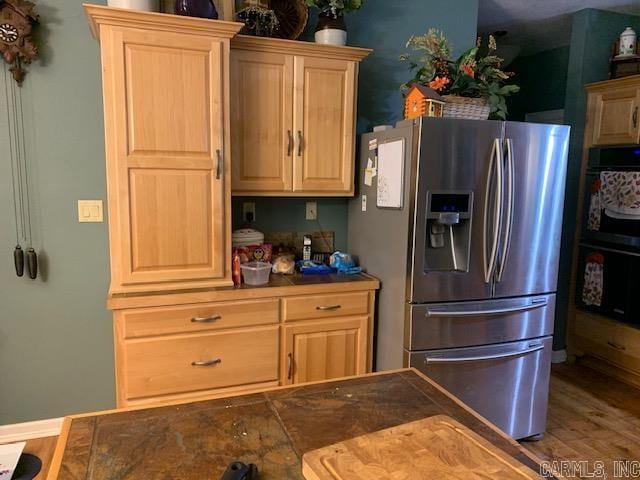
x: 468, y: 259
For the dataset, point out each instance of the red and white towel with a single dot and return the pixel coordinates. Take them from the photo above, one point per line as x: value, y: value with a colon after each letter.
x: 620, y: 194
x: 593, y: 280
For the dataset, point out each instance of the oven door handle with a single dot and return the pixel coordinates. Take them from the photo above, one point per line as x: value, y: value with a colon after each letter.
x: 481, y: 358
x: 493, y: 311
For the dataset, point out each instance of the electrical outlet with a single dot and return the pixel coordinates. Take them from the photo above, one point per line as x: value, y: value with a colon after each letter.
x: 312, y: 211
x: 90, y: 211
x: 248, y: 211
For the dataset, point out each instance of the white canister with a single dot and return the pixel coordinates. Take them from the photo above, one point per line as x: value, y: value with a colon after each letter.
x: 627, y: 42
x: 143, y: 5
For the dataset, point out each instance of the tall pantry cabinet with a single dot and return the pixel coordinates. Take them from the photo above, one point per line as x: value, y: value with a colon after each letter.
x: 166, y: 91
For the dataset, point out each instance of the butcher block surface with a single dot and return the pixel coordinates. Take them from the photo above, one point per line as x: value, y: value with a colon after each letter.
x: 273, y: 429
x: 435, y: 447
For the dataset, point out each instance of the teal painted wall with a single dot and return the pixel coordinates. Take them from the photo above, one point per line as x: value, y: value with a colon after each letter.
x: 543, y: 82
x: 56, y: 354
x: 274, y: 214
x: 385, y: 27
x: 592, y: 33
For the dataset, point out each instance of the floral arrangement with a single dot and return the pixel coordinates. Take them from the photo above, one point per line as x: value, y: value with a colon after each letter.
x: 335, y: 8
x: 473, y: 74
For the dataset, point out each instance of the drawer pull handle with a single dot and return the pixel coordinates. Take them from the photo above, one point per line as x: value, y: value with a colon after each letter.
x: 328, y: 307
x: 616, y: 346
x: 206, y: 363
x: 289, y: 366
x: 209, y: 319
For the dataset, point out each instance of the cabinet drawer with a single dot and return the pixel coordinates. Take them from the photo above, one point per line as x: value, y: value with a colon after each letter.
x: 200, y: 362
x: 322, y: 306
x: 613, y: 341
x: 150, y: 322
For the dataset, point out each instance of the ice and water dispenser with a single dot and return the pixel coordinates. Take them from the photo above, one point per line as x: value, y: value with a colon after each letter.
x: 448, y: 231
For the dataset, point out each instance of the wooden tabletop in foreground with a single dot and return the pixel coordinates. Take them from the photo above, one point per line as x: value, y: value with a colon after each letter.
x: 273, y: 429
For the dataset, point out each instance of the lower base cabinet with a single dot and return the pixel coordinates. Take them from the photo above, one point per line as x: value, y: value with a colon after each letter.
x: 324, y: 349
x: 191, y: 350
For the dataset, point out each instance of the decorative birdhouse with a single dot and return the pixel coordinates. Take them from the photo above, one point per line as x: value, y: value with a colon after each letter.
x: 422, y: 101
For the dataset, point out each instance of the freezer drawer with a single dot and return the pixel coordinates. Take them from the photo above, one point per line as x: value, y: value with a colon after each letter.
x: 467, y: 324
x: 508, y: 383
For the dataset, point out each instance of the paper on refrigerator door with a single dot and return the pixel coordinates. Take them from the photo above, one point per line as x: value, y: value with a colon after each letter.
x: 368, y: 173
x: 390, y: 174
x: 9, y: 456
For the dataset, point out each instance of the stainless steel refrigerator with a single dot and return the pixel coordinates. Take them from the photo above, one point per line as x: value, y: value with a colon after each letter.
x: 467, y: 257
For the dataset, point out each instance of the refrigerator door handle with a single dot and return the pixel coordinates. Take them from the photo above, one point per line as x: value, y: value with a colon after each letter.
x: 506, y: 242
x: 489, y: 258
x: 533, y: 347
x: 445, y: 312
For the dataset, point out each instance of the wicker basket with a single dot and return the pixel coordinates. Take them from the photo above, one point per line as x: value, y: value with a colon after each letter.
x: 465, y: 107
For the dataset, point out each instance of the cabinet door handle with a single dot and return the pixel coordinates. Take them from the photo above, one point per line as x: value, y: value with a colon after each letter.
x: 328, y: 307
x: 219, y: 165
x: 206, y: 363
x: 616, y: 346
x: 634, y: 117
x: 209, y: 319
x: 289, y: 366
x: 289, y: 143
x: 300, y: 143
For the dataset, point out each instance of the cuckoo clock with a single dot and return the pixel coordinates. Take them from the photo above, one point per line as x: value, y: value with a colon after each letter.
x: 17, y: 19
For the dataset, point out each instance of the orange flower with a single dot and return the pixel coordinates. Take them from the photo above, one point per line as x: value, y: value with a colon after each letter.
x: 438, y: 83
x: 467, y: 70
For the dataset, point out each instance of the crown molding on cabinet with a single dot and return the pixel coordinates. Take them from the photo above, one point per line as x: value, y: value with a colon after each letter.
x: 99, y: 15
x: 309, y: 49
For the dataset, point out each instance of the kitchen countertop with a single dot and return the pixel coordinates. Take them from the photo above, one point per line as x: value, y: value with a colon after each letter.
x: 196, y: 441
x: 279, y: 285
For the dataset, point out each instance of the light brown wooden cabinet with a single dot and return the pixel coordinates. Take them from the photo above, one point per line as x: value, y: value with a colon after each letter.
x: 323, y: 349
x: 613, y: 111
x: 293, y: 117
x: 207, y: 343
x: 165, y: 86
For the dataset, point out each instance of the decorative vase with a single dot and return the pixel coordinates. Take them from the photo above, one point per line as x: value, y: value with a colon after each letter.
x: 627, y: 42
x: 143, y: 5
x: 196, y: 8
x: 331, y: 30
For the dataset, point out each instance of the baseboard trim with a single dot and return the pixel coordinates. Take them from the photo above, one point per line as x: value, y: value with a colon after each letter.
x: 18, y: 432
x: 558, y: 356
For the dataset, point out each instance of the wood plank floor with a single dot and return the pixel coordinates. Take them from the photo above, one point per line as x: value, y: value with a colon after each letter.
x: 591, y: 418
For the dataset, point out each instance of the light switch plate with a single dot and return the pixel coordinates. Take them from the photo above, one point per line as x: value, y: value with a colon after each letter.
x: 90, y: 211
x: 312, y: 211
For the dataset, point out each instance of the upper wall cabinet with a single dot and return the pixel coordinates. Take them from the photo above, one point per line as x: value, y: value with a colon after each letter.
x: 613, y: 110
x: 293, y: 117
x: 165, y: 88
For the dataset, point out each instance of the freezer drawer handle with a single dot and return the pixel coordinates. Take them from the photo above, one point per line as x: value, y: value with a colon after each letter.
x: 206, y: 363
x: 534, y: 347
x: 477, y: 313
x: 209, y: 319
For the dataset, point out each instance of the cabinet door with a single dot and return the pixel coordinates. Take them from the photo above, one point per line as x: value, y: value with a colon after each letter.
x: 164, y: 116
x: 323, y: 349
x: 616, y: 117
x: 262, y: 121
x: 324, y: 122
